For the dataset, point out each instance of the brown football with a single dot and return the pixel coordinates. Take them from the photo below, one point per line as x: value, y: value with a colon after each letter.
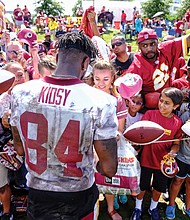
x: 144, y: 132
x: 151, y: 100
x: 6, y: 80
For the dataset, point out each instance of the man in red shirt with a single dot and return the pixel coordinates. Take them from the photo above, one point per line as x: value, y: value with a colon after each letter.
x: 18, y: 16
x: 179, y: 28
x: 26, y: 14
x: 123, y: 20
x: 155, y: 62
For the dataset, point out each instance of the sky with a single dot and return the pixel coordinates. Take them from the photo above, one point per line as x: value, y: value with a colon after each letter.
x: 10, y: 5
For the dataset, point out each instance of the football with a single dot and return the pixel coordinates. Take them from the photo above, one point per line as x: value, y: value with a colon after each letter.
x: 6, y: 80
x: 186, y: 128
x: 151, y: 100
x: 144, y: 132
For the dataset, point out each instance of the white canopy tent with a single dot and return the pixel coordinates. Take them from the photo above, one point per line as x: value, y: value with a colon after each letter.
x: 115, y: 6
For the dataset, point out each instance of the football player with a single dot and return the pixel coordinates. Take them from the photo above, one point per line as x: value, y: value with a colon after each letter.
x: 56, y: 122
x: 155, y: 62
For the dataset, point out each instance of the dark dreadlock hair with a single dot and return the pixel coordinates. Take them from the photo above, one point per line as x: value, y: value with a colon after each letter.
x: 78, y: 41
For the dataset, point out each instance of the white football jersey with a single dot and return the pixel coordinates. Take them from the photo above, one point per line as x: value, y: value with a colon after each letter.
x: 58, y: 119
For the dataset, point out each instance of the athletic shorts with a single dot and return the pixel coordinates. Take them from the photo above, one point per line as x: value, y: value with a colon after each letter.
x: 18, y: 23
x: 48, y: 205
x: 184, y: 169
x: 3, y: 176
x: 159, y: 181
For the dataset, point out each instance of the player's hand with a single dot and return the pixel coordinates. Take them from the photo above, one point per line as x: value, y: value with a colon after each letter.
x: 5, y: 119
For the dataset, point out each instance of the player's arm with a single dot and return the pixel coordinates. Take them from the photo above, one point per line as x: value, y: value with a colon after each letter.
x: 107, y: 154
x: 17, y: 141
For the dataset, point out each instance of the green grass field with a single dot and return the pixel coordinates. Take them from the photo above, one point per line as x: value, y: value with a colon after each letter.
x: 107, y: 36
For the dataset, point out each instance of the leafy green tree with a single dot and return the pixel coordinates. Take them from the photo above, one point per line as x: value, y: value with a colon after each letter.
x: 151, y: 7
x: 78, y: 4
x: 184, y: 6
x: 50, y: 7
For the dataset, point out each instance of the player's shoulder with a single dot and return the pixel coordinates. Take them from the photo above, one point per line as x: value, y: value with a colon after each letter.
x: 29, y: 85
x: 100, y: 94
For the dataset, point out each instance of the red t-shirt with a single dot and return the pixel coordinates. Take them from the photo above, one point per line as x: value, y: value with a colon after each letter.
x: 181, y: 83
x: 18, y: 14
x: 157, y: 76
x: 179, y: 24
x: 123, y: 17
x: 121, y: 109
x: 187, y: 16
x: 152, y: 154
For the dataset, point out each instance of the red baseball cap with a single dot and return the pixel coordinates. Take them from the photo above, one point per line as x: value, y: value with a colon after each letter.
x: 147, y: 34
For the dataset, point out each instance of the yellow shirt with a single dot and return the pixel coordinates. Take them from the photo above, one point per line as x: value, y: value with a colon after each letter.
x: 52, y: 25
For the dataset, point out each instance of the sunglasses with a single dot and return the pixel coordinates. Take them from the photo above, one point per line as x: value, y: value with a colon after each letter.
x: 13, y: 51
x: 117, y: 44
x: 136, y: 103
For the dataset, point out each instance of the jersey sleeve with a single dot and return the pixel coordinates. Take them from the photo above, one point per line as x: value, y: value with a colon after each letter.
x: 135, y: 65
x: 121, y: 109
x: 172, y: 49
x: 5, y: 101
x: 107, y: 124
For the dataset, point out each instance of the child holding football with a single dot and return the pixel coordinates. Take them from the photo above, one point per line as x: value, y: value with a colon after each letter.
x: 152, y: 154
x: 134, y: 106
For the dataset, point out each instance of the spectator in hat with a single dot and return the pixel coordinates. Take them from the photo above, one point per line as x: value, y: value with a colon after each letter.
x: 39, y: 22
x: 52, y: 25
x: 154, y: 61
x: 47, y: 41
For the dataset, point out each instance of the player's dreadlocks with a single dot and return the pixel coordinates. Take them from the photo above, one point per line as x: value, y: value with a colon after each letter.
x: 78, y: 41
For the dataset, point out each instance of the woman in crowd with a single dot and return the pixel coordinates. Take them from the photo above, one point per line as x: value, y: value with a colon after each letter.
x: 104, y: 75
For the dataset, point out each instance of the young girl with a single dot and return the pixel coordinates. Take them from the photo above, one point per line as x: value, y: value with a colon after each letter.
x: 152, y: 154
x: 134, y: 106
x: 104, y: 75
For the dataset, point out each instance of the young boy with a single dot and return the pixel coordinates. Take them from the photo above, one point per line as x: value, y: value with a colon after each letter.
x: 183, y: 161
x: 152, y: 154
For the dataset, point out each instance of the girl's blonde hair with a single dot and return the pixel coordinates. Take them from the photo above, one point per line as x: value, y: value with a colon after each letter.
x: 103, y: 65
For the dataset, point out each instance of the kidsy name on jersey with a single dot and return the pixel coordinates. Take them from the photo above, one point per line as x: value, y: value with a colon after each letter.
x: 53, y: 95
